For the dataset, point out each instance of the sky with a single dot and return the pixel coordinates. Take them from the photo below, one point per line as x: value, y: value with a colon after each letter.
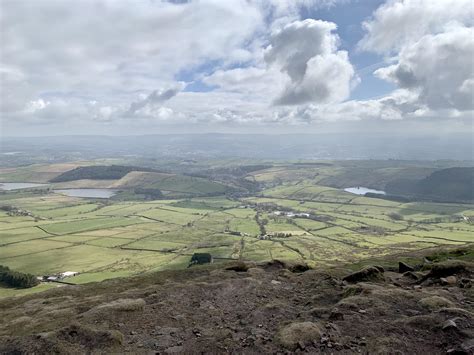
x: 236, y: 66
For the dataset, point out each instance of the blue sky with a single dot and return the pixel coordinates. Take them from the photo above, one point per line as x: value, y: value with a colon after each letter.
x: 127, y: 67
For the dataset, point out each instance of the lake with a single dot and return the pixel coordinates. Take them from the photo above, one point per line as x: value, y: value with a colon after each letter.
x: 90, y: 193
x: 360, y: 190
x: 8, y: 186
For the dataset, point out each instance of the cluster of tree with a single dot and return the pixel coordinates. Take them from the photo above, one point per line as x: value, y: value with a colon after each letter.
x: 15, y: 211
x: 99, y: 172
x: 261, y: 223
x: 17, y: 279
x: 200, y: 258
x: 395, y: 216
x: 281, y: 235
x: 149, y: 194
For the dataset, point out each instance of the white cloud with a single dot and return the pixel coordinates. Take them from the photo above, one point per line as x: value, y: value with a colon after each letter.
x: 307, y: 52
x: 432, y: 45
x: 109, y: 50
x: 439, y: 67
x: 36, y: 105
x: 398, y: 23
x: 127, y: 63
x: 155, y: 99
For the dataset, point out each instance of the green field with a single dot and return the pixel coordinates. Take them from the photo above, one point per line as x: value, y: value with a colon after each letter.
x: 103, y: 239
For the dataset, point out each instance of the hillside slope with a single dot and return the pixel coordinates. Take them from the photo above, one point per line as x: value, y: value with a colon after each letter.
x: 245, y: 308
x: 452, y: 184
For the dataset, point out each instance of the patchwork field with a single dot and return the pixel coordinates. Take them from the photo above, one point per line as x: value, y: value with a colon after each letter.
x: 48, y: 233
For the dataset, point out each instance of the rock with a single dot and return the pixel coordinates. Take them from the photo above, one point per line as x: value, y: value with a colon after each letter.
x: 371, y: 273
x: 450, y: 324
x: 411, y: 275
x: 238, y: 267
x: 402, y: 267
x: 294, y: 334
x: 450, y: 280
x: 298, y: 267
x: 275, y: 282
x: 447, y: 268
x: 465, y: 283
x: 435, y: 302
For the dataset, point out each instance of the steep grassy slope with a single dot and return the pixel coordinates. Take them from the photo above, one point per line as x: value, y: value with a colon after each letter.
x: 256, y: 308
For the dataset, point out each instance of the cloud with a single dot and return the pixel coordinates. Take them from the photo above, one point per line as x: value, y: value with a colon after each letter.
x: 109, y: 50
x: 438, y: 67
x: 156, y: 98
x: 432, y: 48
x: 307, y: 52
x: 398, y: 23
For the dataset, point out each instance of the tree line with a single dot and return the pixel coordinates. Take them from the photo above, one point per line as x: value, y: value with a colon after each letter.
x: 17, y: 279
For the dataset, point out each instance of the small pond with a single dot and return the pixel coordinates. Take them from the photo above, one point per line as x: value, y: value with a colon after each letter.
x: 90, y: 193
x: 360, y: 190
x: 8, y: 186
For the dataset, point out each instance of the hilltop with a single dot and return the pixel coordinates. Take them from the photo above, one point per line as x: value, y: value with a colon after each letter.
x: 425, y: 303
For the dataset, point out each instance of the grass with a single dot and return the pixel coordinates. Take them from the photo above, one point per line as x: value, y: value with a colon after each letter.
x: 113, y: 238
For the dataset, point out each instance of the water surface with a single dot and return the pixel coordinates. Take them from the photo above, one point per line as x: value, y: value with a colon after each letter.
x: 90, y: 193
x: 360, y: 190
x: 8, y: 186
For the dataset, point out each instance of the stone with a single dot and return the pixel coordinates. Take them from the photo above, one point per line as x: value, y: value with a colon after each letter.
x: 450, y: 280
x: 411, y: 275
x: 402, y: 267
x: 450, y: 324
x: 371, y: 273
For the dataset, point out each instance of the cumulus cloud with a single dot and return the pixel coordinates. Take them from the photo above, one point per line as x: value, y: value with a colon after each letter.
x: 439, y: 67
x: 400, y: 22
x: 104, y: 62
x: 432, y: 47
x: 307, y: 52
x: 156, y: 98
x: 109, y: 50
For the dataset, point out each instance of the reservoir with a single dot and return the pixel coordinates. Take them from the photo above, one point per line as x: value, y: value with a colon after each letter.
x: 360, y: 190
x: 8, y: 186
x: 90, y: 193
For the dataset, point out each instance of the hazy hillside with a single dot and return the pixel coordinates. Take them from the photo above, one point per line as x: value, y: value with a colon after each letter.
x: 452, y: 184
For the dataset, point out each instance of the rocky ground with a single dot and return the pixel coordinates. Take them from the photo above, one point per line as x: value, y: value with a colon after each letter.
x: 424, y: 307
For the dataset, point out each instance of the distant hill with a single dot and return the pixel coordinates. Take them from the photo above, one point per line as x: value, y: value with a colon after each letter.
x: 176, y: 184
x: 451, y: 184
x: 99, y: 172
